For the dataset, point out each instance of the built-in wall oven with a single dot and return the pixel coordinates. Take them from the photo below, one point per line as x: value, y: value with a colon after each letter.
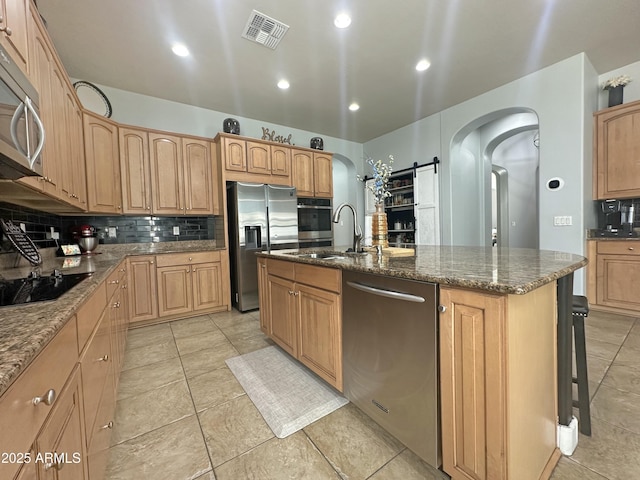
x: 315, y: 228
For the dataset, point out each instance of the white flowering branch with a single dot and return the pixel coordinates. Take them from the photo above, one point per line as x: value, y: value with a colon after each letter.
x: 381, y: 174
x: 614, y: 82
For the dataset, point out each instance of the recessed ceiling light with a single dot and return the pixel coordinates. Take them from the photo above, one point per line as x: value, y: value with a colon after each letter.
x: 180, y: 49
x: 283, y: 84
x: 422, y: 65
x: 343, y: 20
x: 354, y: 107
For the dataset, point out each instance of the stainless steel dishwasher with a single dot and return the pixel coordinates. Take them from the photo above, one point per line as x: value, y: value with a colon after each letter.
x: 390, y: 357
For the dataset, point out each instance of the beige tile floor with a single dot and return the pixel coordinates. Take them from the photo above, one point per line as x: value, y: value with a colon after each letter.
x: 182, y: 415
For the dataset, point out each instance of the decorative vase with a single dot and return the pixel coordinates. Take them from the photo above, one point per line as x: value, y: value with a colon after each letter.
x: 317, y: 143
x: 379, y: 228
x: 231, y: 125
x: 615, y: 95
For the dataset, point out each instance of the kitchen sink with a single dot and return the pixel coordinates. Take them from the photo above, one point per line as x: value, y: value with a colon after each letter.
x: 321, y: 255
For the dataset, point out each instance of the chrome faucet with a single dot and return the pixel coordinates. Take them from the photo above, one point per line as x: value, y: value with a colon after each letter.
x: 357, y: 231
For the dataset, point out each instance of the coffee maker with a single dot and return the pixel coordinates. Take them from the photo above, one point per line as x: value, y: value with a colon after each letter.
x: 612, y: 212
x: 617, y: 219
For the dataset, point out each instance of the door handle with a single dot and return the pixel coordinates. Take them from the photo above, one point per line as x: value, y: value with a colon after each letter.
x: 407, y: 297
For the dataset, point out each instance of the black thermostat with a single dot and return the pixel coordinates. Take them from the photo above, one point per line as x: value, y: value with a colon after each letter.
x: 555, y: 184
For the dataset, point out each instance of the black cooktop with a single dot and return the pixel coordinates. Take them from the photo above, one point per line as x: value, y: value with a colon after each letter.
x: 36, y: 288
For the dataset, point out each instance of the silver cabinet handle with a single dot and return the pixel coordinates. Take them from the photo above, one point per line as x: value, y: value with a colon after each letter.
x: 48, y: 398
x: 107, y: 426
x: 386, y: 293
x: 58, y: 465
x: 115, y: 282
x: 104, y: 358
x: 631, y: 248
x: 442, y: 308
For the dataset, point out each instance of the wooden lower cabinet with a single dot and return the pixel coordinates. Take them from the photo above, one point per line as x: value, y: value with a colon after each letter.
x: 143, y: 289
x: 303, y: 305
x: 613, y: 275
x: 62, y: 437
x: 490, y: 347
x: 191, y: 283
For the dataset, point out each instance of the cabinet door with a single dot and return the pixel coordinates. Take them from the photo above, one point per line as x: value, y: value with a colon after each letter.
x: 472, y: 382
x: 282, y: 311
x: 207, y: 286
x: 63, y: 437
x: 263, y: 296
x: 281, y: 162
x: 96, y: 364
x: 40, y: 60
x: 235, y: 154
x: 322, y: 175
x: 143, y: 290
x: 617, y: 280
x: 103, y: 165
x: 617, y: 151
x: 14, y: 20
x: 76, y: 140
x: 135, y: 171
x: 319, y: 333
x: 198, y: 177
x: 426, y: 195
x: 174, y: 290
x: 302, y: 172
x: 166, y: 174
x: 258, y: 158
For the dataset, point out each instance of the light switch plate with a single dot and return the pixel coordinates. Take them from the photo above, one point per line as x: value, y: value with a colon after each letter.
x: 176, y: 230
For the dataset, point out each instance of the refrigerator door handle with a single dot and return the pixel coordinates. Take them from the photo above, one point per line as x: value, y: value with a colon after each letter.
x: 252, y: 237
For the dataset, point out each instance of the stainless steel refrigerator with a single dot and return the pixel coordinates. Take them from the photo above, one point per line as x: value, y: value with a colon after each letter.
x: 261, y: 217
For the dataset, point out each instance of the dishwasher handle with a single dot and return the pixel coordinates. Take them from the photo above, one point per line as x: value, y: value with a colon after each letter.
x: 386, y: 293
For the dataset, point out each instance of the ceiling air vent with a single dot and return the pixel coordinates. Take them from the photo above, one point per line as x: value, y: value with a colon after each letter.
x: 264, y: 30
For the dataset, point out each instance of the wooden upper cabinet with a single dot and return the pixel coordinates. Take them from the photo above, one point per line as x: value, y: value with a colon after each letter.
x: 103, y: 164
x: 198, y: 177
x: 166, y: 174
x: 258, y: 158
x: 617, y: 152
x: 135, y: 171
x: 235, y: 154
x: 303, y: 172
x: 322, y: 175
x: 281, y: 161
x: 13, y: 23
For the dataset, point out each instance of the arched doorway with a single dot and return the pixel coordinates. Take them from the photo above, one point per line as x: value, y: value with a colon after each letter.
x: 494, y: 181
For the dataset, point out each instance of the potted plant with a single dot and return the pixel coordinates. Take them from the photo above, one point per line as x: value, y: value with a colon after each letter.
x: 615, y: 86
x: 380, y: 189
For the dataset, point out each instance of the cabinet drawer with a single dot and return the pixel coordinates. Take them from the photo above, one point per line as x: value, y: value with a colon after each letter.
x: 280, y: 268
x: 89, y: 314
x: 115, y: 279
x: 321, y: 277
x: 100, y: 435
x: 629, y: 247
x: 187, y: 258
x: 96, y: 364
x: 18, y: 414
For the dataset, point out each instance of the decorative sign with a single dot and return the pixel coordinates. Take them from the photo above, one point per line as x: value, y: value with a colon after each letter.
x: 271, y: 136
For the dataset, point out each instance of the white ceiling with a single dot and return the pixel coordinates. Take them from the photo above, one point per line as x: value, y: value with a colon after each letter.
x: 473, y: 45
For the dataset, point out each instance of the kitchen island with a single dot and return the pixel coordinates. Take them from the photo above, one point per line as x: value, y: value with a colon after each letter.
x: 498, y: 351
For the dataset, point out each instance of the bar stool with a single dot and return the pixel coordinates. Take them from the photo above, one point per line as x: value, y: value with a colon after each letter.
x: 580, y: 311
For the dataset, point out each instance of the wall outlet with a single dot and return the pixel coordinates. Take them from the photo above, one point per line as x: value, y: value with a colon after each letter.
x: 111, y: 231
x: 562, y: 221
x: 176, y: 230
x: 23, y: 227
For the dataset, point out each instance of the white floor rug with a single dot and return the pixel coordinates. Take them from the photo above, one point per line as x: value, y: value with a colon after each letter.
x: 287, y: 394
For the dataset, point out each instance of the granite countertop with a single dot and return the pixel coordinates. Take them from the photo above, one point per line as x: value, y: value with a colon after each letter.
x: 26, y: 329
x: 503, y: 270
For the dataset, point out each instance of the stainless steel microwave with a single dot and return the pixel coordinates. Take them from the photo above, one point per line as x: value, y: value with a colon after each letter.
x: 21, y: 131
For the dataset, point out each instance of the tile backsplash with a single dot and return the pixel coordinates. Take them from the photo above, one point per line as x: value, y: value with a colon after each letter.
x: 125, y: 229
